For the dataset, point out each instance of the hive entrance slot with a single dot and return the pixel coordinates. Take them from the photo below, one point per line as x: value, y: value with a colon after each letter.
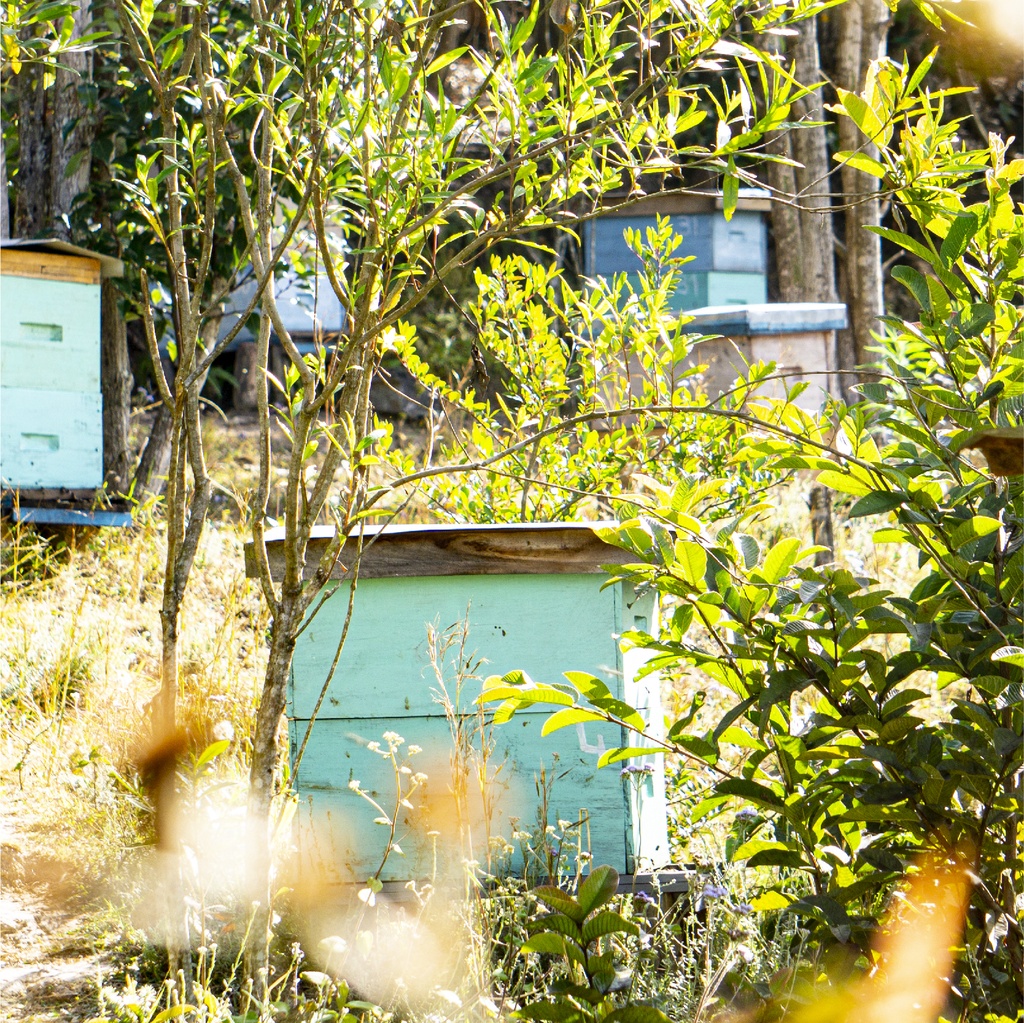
x: 45, y: 332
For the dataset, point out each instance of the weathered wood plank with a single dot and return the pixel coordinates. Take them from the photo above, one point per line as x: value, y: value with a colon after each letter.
x: 49, y: 266
x: 49, y: 334
x: 528, y: 549
x: 50, y: 438
x: 542, y: 626
x: 337, y: 826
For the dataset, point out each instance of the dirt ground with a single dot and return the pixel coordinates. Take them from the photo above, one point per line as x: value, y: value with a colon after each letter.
x: 49, y: 969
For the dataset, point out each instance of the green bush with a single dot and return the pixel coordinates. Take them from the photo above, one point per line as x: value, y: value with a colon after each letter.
x: 875, y: 732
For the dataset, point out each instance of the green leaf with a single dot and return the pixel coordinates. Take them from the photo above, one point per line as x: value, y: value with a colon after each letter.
x: 777, y: 858
x: 975, y: 527
x: 876, y: 504
x: 560, y: 901
x: 615, y: 756
x: 844, y: 482
x: 862, y: 162
x: 556, y: 923
x: 691, y: 562
x: 1011, y: 655
x: 779, y: 560
x: 562, y: 1011
x: 961, y: 231
x: 636, y: 1014
x: 569, y: 716
x: 915, y: 283
x: 607, y: 922
x: 752, y: 791
x: 440, y: 63
x: 213, y: 750
x: 730, y: 190
x: 597, y: 888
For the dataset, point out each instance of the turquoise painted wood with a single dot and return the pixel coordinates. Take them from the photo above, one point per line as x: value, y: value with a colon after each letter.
x: 51, y: 411
x: 50, y: 438
x: 543, y: 624
x: 697, y: 290
x: 49, y: 334
x: 716, y: 244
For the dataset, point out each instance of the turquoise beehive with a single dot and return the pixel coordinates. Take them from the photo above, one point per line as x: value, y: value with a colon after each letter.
x: 51, y: 408
x: 729, y: 264
x: 534, y: 598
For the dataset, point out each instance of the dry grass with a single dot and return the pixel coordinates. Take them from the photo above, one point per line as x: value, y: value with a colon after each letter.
x: 79, y: 630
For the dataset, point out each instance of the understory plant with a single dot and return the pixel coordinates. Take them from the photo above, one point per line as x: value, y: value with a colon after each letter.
x: 868, y: 729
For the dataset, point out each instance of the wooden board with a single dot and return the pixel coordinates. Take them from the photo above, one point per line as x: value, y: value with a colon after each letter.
x: 697, y: 290
x: 543, y: 625
x: 50, y: 438
x: 337, y: 830
x: 735, y: 289
x: 737, y: 245
x: 49, y: 266
x: 533, y: 548
x: 49, y: 334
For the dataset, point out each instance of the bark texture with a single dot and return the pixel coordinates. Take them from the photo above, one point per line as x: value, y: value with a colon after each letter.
x: 862, y: 28
x: 801, y: 220
x: 116, y: 379
x: 55, y: 133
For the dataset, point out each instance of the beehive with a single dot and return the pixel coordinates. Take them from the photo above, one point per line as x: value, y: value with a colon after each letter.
x: 730, y: 257
x: 533, y: 598
x: 51, y: 410
x: 799, y: 337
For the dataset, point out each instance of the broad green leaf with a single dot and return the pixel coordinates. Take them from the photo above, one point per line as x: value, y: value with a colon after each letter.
x: 1010, y: 654
x: 915, y: 283
x: 560, y: 901
x: 845, y: 482
x: 770, y: 900
x: 597, y: 888
x: 961, y: 231
x: 876, y: 504
x: 862, y: 162
x: 691, y: 562
x: 636, y: 1014
x: 569, y: 716
x: 615, y: 756
x: 607, y: 922
x: 975, y: 527
x: 562, y: 1011
x: 780, y: 559
x: 751, y: 790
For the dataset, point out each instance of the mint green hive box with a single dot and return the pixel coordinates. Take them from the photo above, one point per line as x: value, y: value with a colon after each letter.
x: 51, y: 409
x: 534, y: 599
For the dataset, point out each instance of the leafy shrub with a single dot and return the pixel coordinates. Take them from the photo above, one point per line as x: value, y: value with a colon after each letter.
x: 868, y: 727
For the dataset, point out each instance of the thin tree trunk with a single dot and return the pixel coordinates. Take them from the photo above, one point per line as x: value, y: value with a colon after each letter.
x: 5, y: 206
x: 863, y: 25
x: 802, y: 226
x: 151, y: 474
x: 116, y: 379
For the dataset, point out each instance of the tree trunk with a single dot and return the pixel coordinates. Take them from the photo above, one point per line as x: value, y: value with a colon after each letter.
x: 55, y: 135
x: 5, y: 208
x: 116, y: 381
x: 262, y: 787
x: 151, y: 474
x: 862, y: 27
x: 802, y: 227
